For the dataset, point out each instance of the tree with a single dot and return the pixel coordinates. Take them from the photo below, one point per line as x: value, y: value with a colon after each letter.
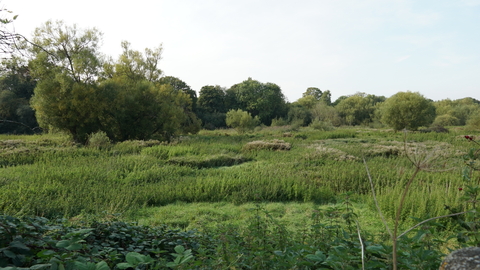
x: 68, y: 50
x: 192, y: 123
x: 212, y: 106
x: 125, y: 98
x: 16, y: 89
x: 66, y: 96
x: 359, y: 108
x: 314, y: 92
x: 445, y: 120
x: 212, y: 99
x: 408, y: 110
x: 324, y: 113
x: 9, y: 40
x: 326, y: 98
x: 298, y: 114
x: 242, y: 121
x: 461, y: 109
x: 338, y: 100
x: 307, y: 102
x: 313, y: 96
x: 264, y: 100
x: 474, y: 121
x: 144, y: 105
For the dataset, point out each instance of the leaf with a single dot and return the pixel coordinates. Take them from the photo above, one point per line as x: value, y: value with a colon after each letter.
x: 41, y: 266
x: 376, y: 249
x: 63, y: 243
x: 179, y: 249
x: 19, y: 247
x: 124, y: 265
x: 134, y: 258
x: 172, y: 264
x: 45, y: 253
x: 74, y: 246
x: 9, y: 254
x: 84, y: 266
x: 102, y: 266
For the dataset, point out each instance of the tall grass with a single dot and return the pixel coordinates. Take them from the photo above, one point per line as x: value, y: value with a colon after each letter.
x: 57, y: 179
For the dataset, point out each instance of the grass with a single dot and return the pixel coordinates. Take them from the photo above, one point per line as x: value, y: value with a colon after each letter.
x: 47, y: 176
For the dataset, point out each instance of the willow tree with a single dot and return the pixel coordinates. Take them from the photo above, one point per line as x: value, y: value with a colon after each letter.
x: 407, y: 110
x: 66, y: 64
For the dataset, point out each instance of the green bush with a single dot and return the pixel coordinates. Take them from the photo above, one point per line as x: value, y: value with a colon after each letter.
x: 321, y: 125
x: 473, y: 121
x: 446, y: 120
x: 241, y: 121
x: 99, y: 140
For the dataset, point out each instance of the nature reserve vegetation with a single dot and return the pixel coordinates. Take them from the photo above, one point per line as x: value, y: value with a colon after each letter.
x: 105, y: 163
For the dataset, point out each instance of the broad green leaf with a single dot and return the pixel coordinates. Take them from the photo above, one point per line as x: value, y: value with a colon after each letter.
x: 45, y: 253
x: 124, y: 265
x: 179, y: 249
x: 9, y: 254
x: 102, y: 266
x: 75, y: 246
x: 63, y: 243
x: 134, y: 258
x: 41, y: 266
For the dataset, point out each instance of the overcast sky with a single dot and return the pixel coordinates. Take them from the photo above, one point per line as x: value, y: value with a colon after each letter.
x: 378, y: 47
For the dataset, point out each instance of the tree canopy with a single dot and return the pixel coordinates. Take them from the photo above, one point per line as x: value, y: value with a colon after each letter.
x: 264, y: 100
x: 408, y: 110
x: 80, y: 93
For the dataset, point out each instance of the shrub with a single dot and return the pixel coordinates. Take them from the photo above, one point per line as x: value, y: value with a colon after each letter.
x: 321, y: 125
x: 473, y: 121
x: 446, y: 120
x: 242, y: 121
x: 99, y: 140
x: 276, y: 122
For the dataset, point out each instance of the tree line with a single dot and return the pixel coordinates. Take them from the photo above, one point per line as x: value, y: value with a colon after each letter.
x: 61, y: 82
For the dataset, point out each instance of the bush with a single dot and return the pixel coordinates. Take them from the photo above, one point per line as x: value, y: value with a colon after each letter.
x: 321, y: 125
x: 473, y: 121
x: 99, y: 140
x: 277, y: 122
x: 446, y: 120
x: 241, y: 121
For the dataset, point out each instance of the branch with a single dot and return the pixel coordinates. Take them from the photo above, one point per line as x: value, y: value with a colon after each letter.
x: 19, y: 123
x: 427, y: 220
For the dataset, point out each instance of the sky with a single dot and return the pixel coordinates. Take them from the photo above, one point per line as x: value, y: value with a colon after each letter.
x: 378, y: 47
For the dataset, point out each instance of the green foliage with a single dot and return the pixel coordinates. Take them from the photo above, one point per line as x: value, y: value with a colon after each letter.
x: 474, y: 121
x: 43, y: 244
x: 461, y: 109
x: 407, y: 110
x: 324, y: 113
x: 127, y: 99
x: 445, y: 120
x: 299, y: 114
x: 99, y: 140
x: 278, y: 122
x: 212, y: 99
x: 80, y: 183
x: 264, y: 100
x: 241, y: 121
x: 358, y: 109
x: 321, y: 125
x: 16, y: 89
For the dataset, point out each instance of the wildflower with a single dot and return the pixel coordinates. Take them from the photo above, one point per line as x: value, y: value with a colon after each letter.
x: 469, y: 137
x: 460, y: 189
